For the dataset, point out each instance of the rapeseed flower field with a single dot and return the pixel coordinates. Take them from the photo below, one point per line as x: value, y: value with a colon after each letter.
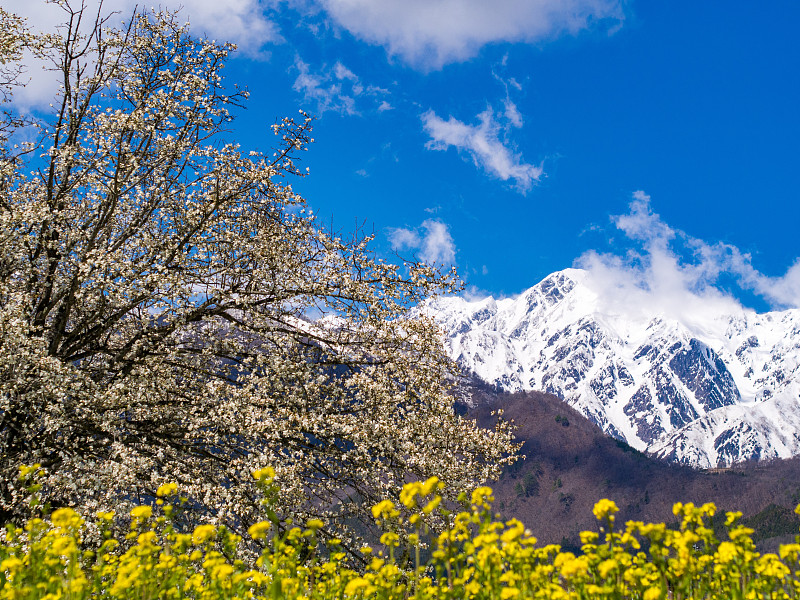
x: 475, y: 556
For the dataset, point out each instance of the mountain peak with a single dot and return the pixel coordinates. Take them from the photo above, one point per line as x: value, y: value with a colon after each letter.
x: 662, y: 380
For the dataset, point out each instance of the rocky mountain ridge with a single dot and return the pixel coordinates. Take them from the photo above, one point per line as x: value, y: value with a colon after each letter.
x: 706, y: 391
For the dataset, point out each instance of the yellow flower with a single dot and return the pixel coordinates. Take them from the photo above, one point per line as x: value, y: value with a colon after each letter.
x: 202, y: 533
x: 167, y: 489
x: 409, y: 493
x: 222, y: 571
x: 63, y: 546
x: 482, y: 497
x: 606, y: 567
x: 25, y: 470
x: 148, y: 538
x: 508, y: 593
x: 740, y: 531
x: 385, y: 509
x: 314, y: 524
x: 195, y: 582
x: 431, y: 506
x: 266, y: 474
x: 65, y: 517
x: 472, y: 588
x: 77, y: 585
x: 709, y: 509
x: 562, y: 558
x: 574, y: 567
x: 142, y: 512
x: 431, y: 485
x: 605, y: 509
x: 726, y: 552
x: 259, y: 530
x: 11, y: 565
x: 355, y: 585
x: 589, y: 537
x: 790, y: 551
x: 652, y: 593
x: 770, y: 566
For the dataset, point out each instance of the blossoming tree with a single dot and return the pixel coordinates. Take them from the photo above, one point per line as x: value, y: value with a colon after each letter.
x: 170, y: 310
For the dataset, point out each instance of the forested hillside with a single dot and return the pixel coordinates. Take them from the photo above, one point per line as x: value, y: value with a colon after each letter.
x: 570, y: 463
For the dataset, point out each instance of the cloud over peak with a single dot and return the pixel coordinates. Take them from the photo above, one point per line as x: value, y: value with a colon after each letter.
x: 641, y: 223
x: 676, y: 274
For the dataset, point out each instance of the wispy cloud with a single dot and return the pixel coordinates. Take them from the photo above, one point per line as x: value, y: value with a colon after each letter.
x: 323, y: 89
x: 431, y: 241
x: 512, y: 113
x: 336, y: 89
x: 431, y: 33
x: 676, y: 274
x: 780, y: 292
x: 343, y: 72
x: 485, y: 143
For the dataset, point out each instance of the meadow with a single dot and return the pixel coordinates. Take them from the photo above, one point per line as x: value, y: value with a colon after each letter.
x: 474, y: 556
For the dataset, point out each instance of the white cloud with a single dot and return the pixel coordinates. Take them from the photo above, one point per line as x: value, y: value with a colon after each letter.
x: 431, y: 33
x: 642, y: 224
x: 781, y: 292
x: 343, y: 72
x: 512, y: 114
x: 243, y: 22
x: 324, y: 89
x: 483, y: 144
x: 676, y: 274
x: 433, y: 243
x: 403, y: 239
x: 336, y: 89
x: 473, y: 293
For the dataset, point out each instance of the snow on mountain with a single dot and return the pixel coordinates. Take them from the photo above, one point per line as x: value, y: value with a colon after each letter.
x: 706, y: 390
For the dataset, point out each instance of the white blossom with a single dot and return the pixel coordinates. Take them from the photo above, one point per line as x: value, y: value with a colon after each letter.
x: 155, y: 287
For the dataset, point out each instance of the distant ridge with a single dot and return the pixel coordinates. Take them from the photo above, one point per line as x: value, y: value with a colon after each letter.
x: 706, y: 390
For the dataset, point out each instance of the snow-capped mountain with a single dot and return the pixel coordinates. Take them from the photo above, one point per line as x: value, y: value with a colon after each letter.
x: 708, y: 390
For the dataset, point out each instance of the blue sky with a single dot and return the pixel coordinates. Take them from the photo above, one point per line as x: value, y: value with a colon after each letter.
x: 516, y: 138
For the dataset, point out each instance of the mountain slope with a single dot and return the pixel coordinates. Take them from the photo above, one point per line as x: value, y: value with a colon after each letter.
x: 706, y: 390
x: 570, y: 464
